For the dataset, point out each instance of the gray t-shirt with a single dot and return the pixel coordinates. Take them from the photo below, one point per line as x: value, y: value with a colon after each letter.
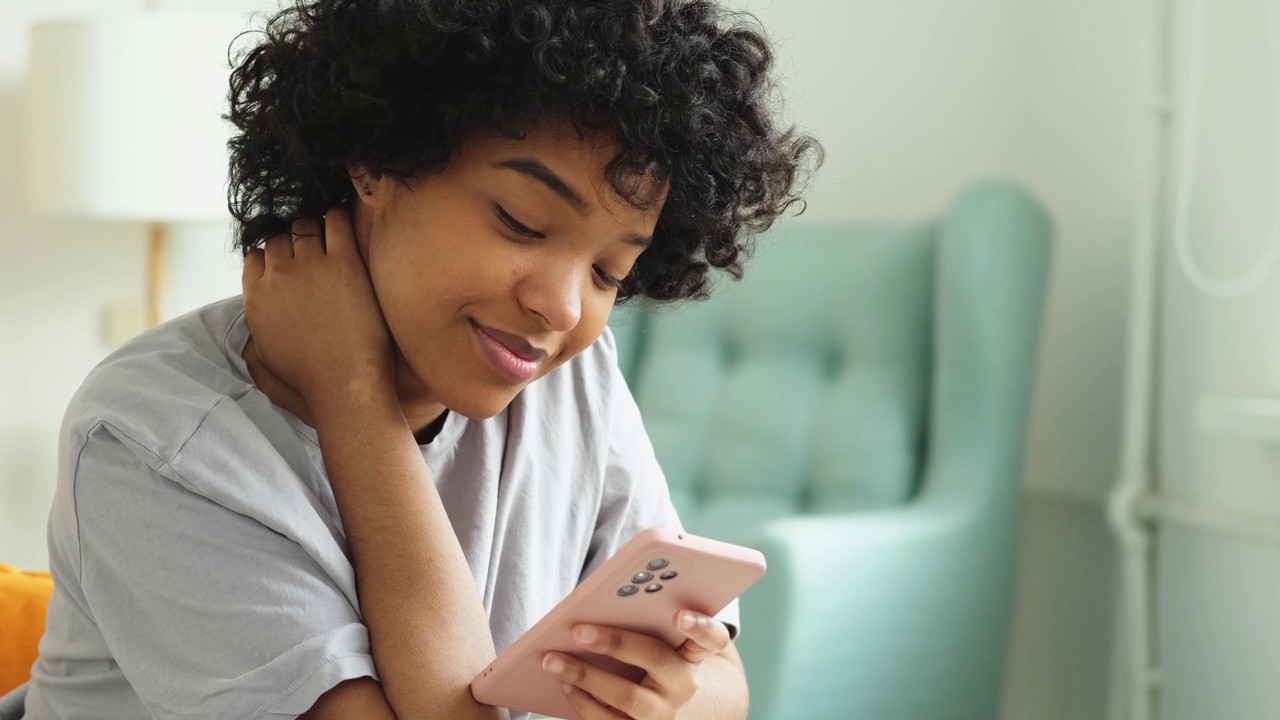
x: 199, y: 561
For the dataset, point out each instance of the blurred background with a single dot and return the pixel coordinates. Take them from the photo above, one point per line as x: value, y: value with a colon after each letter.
x: 1149, y: 507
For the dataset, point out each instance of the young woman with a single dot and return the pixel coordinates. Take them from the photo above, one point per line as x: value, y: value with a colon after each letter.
x: 343, y: 492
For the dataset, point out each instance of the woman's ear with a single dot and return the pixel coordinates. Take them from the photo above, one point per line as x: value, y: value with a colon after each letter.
x: 373, y: 193
x: 371, y: 189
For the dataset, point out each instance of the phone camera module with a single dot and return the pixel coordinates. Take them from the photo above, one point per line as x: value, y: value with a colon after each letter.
x: 628, y: 590
x: 642, y: 577
x: 653, y: 588
x: 657, y: 564
x: 669, y: 574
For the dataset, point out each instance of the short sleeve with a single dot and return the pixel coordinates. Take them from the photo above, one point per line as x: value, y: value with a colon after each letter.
x: 208, y: 612
x: 635, y: 496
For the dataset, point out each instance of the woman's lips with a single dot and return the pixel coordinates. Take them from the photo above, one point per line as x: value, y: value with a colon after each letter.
x: 515, y: 344
x: 510, y: 364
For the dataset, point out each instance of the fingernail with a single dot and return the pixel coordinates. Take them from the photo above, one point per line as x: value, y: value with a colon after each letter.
x: 553, y: 663
x: 687, y: 621
x: 566, y: 687
x: 586, y: 633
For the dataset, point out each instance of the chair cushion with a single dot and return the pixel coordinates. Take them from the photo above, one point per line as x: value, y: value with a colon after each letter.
x: 24, y: 600
x: 802, y: 388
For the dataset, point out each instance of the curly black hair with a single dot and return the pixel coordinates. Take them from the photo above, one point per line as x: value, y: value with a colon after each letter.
x: 683, y: 86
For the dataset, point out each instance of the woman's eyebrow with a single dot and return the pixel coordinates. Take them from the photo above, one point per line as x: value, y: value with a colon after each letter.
x: 535, y: 169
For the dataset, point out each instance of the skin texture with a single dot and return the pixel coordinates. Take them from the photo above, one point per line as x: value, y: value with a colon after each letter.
x: 363, y: 328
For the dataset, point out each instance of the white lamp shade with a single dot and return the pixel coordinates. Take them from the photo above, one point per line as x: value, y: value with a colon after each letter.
x: 123, y: 117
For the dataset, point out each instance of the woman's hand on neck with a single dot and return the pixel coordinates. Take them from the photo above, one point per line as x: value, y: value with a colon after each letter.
x: 426, y: 421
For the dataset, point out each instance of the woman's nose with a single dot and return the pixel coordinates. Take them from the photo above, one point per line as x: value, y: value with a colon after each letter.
x: 555, y: 297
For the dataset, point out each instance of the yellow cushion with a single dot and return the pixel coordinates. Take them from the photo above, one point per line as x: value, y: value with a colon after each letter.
x: 24, y: 600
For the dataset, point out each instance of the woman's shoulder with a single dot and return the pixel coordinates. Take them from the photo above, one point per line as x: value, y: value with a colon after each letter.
x: 160, y: 385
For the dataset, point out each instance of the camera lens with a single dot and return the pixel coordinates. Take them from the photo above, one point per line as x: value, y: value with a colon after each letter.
x: 653, y: 588
x: 669, y: 574
x: 657, y: 564
x: 626, y: 590
x: 641, y: 577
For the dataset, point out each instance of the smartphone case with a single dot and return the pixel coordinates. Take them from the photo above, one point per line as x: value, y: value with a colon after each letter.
x: 709, y: 575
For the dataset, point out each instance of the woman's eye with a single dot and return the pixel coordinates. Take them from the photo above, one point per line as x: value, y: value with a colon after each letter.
x: 515, y: 225
x: 608, y: 279
x: 522, y: 229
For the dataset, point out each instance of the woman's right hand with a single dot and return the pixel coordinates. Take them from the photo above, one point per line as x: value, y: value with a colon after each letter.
x: 313, y: 313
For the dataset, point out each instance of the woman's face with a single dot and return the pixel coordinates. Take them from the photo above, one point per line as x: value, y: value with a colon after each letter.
x: 500, y: 269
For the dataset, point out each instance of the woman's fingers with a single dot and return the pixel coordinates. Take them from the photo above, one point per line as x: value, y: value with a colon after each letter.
x: 707, y: 636
x: 254, y: 265
x: 308, y: 237
x: 338, y: 232
x: 278, y: 248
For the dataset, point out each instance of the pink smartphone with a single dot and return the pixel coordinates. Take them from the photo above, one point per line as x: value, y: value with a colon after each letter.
x: 641, y: 588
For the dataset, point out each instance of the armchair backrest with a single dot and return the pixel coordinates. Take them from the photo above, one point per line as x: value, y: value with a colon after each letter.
x: 807, y: 386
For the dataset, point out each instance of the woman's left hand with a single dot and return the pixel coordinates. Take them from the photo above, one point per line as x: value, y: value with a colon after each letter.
x: 670, y: 682
x: 312, y: 310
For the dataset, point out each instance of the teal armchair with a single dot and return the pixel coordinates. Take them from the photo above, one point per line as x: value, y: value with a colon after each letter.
x: 856, y: 409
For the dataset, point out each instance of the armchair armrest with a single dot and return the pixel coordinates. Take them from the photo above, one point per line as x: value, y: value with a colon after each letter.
x: 863, y: 615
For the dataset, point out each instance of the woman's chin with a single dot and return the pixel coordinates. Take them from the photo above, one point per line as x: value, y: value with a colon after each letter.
x: 483, y: 404
x: 471, y: 391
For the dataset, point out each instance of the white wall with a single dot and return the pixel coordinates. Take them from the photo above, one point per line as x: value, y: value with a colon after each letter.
x: 913, y: 99
x: 57, y: 279
x: 1218, y: 593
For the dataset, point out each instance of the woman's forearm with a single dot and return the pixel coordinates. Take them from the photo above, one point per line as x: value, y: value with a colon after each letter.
x: 426, y: 622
